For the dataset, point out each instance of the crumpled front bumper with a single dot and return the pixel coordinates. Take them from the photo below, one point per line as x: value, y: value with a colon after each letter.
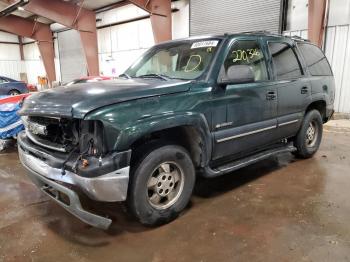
x: 110, y: 187
x: 54, y: 190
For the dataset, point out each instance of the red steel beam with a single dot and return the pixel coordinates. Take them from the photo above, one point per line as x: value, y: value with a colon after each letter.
x: 75, y: 17
x: 21, y: 47
x: 37, y: 31
x: 47, y: 53
x: 160, y: 11
x: 316, y: 16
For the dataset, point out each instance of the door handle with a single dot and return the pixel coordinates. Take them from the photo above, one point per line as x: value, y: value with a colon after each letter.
x: 304, y: 90
x: 271, y: 95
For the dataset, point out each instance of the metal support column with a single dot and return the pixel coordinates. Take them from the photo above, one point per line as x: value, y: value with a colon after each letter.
x: 75, y: 17
x: 37, y: 31
x: 316, y: 18
x: 160, y: 11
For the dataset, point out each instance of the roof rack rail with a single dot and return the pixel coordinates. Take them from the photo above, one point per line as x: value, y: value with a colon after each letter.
x: 296, y: 37
x: 265, y: 32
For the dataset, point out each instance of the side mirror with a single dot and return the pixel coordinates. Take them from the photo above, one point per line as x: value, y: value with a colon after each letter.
x: 237, y: 74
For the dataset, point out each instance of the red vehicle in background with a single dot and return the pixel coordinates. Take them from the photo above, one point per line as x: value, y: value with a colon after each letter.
x: 13, y: 99
x: 88, y: 79
x: 32, y: 88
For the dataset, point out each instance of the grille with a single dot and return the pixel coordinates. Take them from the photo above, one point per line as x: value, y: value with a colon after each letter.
x: 52, y: 133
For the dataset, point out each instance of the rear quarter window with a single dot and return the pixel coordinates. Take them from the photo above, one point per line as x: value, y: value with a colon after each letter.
x: 315, y: 60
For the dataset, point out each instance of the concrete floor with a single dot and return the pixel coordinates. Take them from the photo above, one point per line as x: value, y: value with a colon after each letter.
x: 281, y: 209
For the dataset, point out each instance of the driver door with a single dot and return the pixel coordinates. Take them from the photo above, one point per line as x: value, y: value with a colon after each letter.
x: 250, y: 116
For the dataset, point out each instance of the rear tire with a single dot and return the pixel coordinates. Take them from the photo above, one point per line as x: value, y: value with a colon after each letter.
x: 309, y: 137
x: 14, y: 93
x: 161, y: 185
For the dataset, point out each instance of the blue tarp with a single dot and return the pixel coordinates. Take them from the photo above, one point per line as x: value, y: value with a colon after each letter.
x: 10, y: 122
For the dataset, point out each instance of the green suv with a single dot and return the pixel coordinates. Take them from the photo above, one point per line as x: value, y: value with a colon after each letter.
x: 202, y: 106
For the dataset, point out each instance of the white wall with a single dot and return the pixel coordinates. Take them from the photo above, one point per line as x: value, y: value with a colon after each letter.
x: 11, y: 64
x: 121, y: 45
x: 33, y: 64
x: 336, y: 46
x: 6, y: 37
x: 297, y: 15
x: 181, y: 20
x: 339, y: 12
x: 11, y: 69
x: 10, y: 57
x: 9, y: 52
x: 118, y: 46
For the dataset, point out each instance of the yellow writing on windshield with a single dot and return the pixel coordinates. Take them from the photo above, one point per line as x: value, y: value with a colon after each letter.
x: 193, y: 63
x: 245, y: 55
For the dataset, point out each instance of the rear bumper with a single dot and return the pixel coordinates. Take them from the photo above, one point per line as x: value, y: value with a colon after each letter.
x: 329, y: 112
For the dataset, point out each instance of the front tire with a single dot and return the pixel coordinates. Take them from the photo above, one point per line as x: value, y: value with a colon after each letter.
x: 161, y: 185
x: 309, y: 137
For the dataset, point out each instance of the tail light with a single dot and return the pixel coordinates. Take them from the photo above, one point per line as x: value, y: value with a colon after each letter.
x: 32, y: 88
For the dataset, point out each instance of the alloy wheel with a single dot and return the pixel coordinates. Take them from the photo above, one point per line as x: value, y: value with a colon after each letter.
x: 311, y: 134
x: 165, y: 185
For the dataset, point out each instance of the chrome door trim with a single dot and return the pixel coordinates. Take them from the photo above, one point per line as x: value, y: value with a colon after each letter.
x: 246, y: 134
x: 288, y: 123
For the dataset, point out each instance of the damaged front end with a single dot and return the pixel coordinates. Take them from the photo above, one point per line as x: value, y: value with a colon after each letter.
x: 62, y: 154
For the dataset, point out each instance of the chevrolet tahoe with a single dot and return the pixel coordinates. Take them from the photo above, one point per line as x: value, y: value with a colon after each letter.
x: 202, y: 106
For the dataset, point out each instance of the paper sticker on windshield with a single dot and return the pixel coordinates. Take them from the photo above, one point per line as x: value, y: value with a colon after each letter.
x: 201, y: 44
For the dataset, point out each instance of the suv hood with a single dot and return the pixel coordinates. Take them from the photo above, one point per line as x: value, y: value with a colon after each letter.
x: 78, y: 100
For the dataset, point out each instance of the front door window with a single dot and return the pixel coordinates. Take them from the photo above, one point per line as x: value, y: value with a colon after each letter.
x: 247, y: 52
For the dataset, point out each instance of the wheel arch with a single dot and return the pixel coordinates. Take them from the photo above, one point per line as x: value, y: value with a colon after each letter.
x: 190, y: 131
x: 14, y: 89
x: 319, y: 105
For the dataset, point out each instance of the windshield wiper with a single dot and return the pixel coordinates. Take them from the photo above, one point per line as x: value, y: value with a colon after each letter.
x: 125, y: 75
x: 164, y: 77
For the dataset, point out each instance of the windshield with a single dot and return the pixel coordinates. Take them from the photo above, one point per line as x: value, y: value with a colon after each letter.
x: 182, y: 60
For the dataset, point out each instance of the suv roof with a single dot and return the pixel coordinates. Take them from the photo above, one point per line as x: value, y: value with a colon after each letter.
x: 270, y: 34
x: 254, y: 33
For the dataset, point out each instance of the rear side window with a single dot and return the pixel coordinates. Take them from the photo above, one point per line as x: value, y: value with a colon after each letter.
x: 3, y: 80
x: 285, y: 62
x: 315, y: 60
